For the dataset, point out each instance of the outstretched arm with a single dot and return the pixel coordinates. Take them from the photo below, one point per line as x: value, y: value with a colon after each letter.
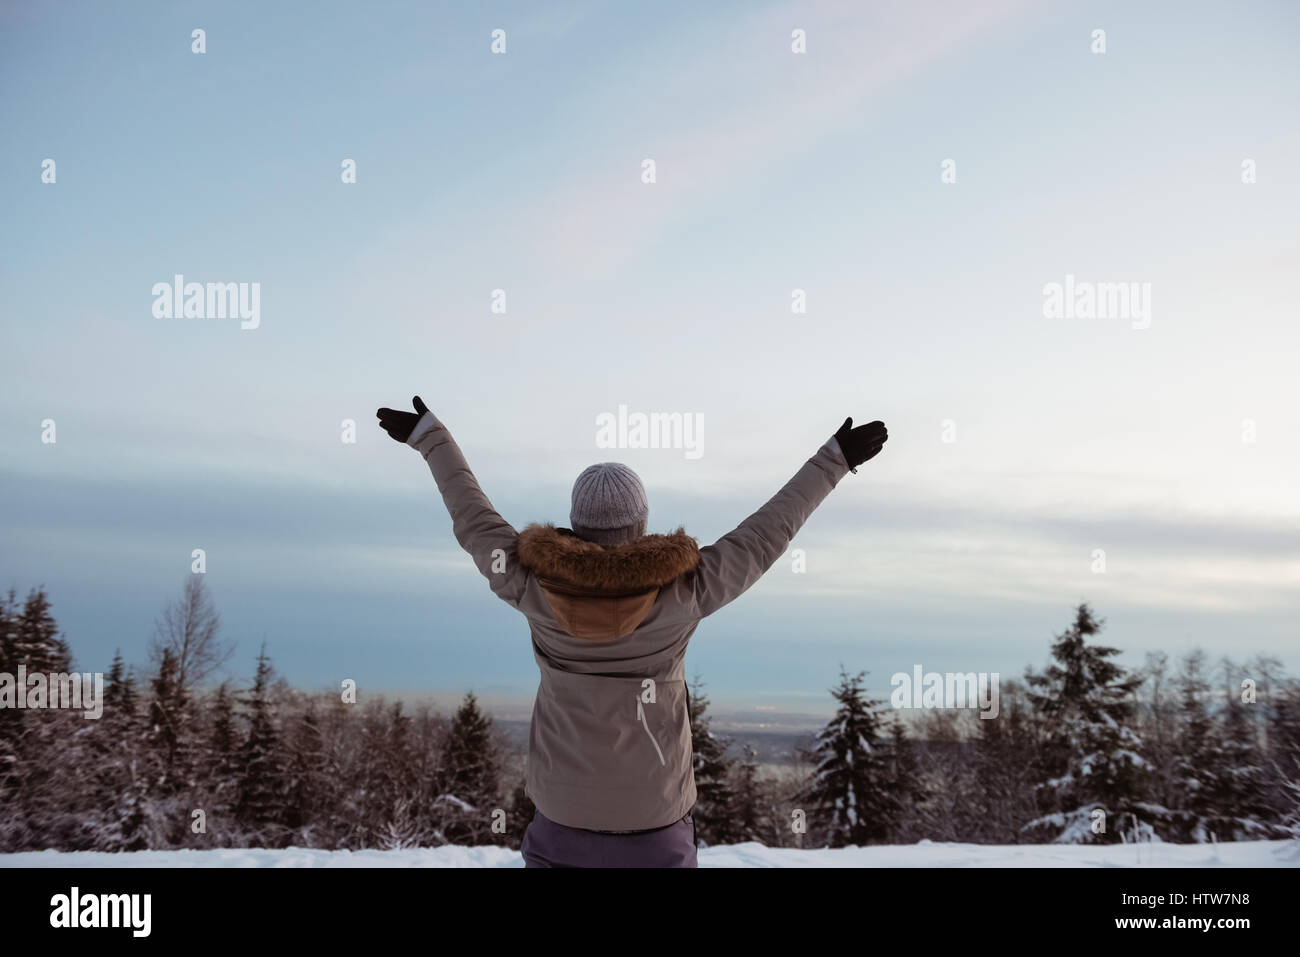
x: 737, y: 560
x: 490, y: 540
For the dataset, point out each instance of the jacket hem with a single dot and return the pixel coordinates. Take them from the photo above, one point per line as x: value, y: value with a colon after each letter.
x: 571, y: 814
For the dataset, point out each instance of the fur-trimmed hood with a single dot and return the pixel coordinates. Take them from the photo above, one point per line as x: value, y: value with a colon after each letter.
x: 650, y: 561
x: 603, y: 592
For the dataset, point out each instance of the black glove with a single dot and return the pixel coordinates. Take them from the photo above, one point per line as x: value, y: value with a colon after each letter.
x: 400, y: 425
x: 862, y: 443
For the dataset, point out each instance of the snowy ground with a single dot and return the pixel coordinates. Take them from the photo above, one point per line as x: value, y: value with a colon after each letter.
x: 1244, y: 854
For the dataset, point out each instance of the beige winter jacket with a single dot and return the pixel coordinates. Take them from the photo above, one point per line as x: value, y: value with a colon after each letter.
x: 610, y: 741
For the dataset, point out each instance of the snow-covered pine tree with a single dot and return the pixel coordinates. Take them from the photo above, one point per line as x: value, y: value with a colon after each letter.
x: 11, y: 719
x: 8, y: 631
x: 30, y: 811
x: 1238, y: 791
x: 61, y: 804
x: 120, y: 695
x: 29, y: 637
x: 34, y: 638
x: 1158, y: 722
x: 123, y: 773
x: 467, y: 782
x: 1216, y: 777
x: 349, y: 760
x: 1005, y: 755
x: 122, y: 766
x: 309, y: 792
x: 376, y: 752
x: 260, y: 800
x: 169, y: 732
x: 847, y: 799
x: 1091, y: 760
x: 223, y: 737
x: 905, y: 790
x: 428, y: 732
x: 947, y: 800
x: 401, y: 828
x: 220, y: 765
x: 1196, y: 754
x: 750, y: 803
x: 713, y: 812
x: 401, y: 809
x: 1284, y: 755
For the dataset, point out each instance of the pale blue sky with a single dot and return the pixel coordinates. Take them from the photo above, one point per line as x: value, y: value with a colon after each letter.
x: 776, y: 171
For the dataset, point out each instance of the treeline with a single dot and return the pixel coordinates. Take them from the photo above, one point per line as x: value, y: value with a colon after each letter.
x: 1082, y: 751
x: 175, y: 764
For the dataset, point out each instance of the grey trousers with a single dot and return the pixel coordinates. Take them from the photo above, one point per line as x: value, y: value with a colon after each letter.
x: 548, y: 844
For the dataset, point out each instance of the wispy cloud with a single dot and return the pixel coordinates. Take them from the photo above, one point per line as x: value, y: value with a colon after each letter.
x: 789, y: 104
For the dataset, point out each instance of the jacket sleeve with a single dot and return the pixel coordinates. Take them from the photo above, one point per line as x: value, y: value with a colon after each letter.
x: 737, y: 560
x: 490, y: 540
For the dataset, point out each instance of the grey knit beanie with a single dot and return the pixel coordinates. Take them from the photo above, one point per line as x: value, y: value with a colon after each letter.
x: 609, y: 505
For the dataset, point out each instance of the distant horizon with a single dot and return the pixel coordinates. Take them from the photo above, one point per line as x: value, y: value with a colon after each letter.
x: 515, y: 702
